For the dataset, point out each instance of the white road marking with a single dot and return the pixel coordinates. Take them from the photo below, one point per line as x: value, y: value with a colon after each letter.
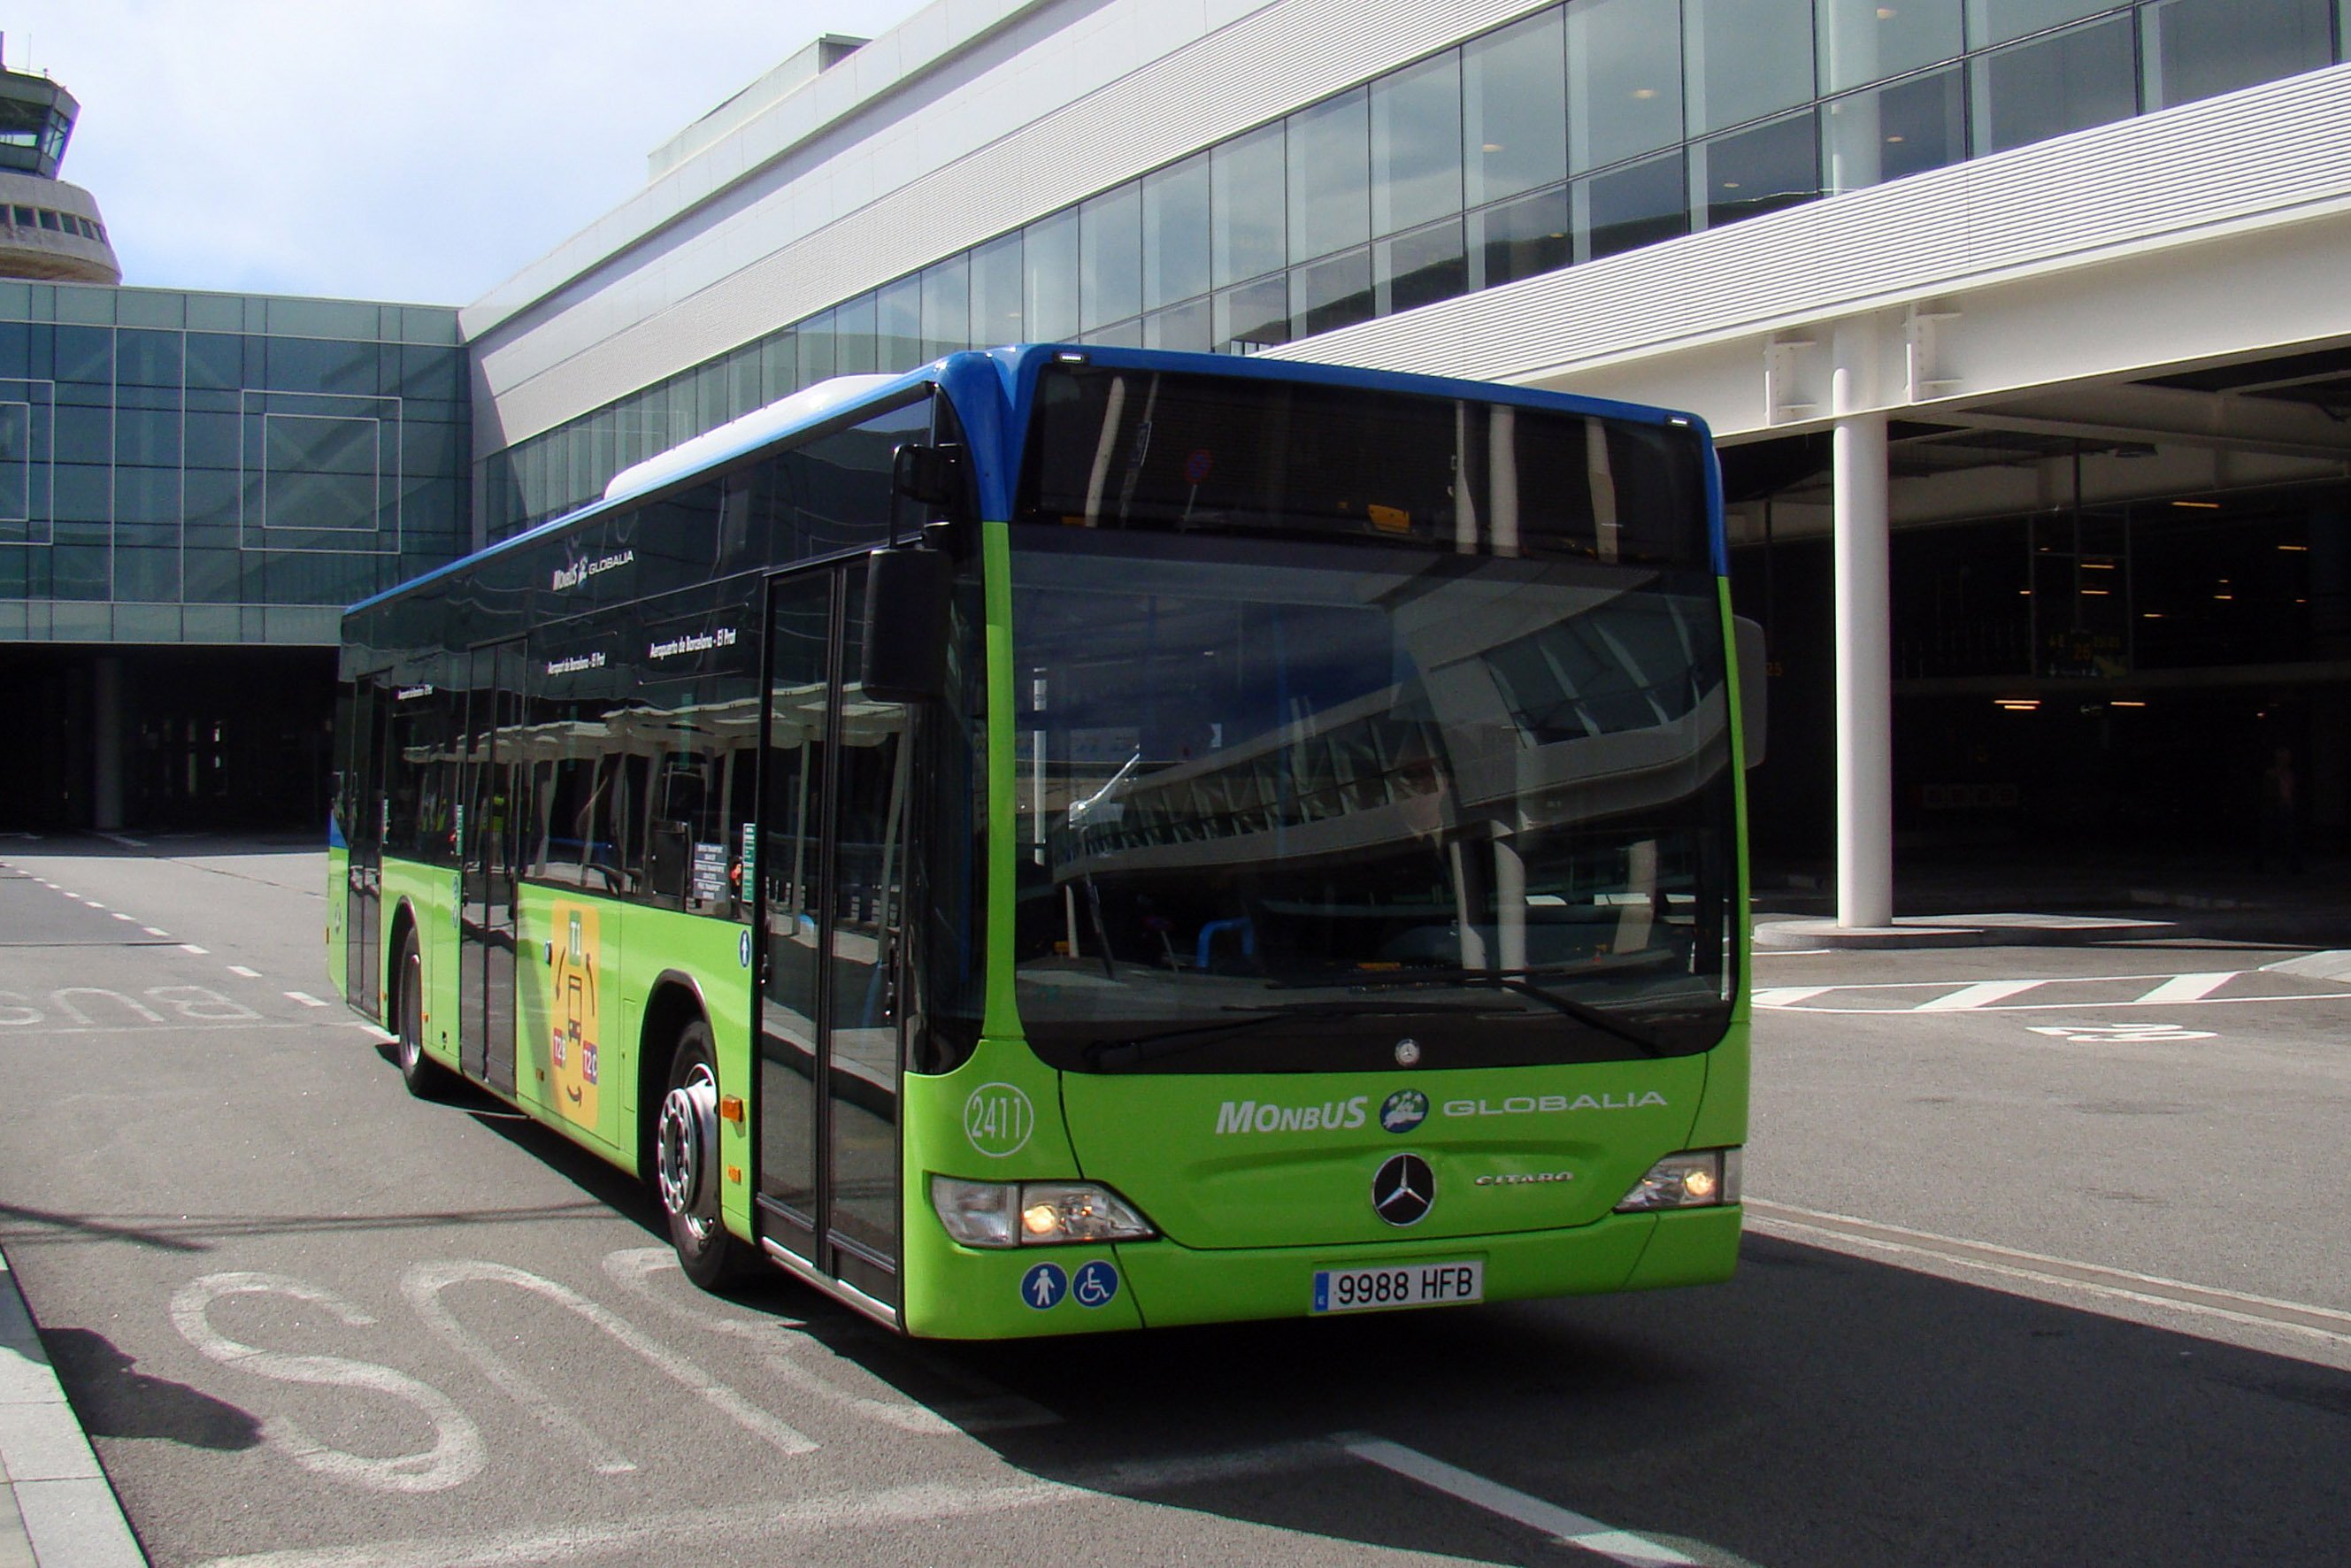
x: 456, y: 1455
x: 1984, y: 993
x: 631, y: 1269
x: 2121, y: 1033
x: 2189, y: 987
x: 1846, y: 1233
x: 152, y: 932
x: 1562, y: 1524
x: 305, y: 998
x: 656, y: 1537
x: 119, y: 916
x: 92, y: 902
x: 192, y: 948
x: 1992, y: 996
x: 241, y: 969
x: 2065, y: 1006
x: 424, y: 1284
x: 1786, y: 995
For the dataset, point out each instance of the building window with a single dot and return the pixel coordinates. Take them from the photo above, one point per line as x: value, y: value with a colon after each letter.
x: 856, y: 338
x: 1906, y: 127
x: 898, y: 324
x: 1756, y: 171
x: 1175, y: 232
x: 2197, y: 48
x: 997, y: 312
x: 1416, y: 145
x: 1623, y: 209
x: 1744, y: 59
x: 1520, y: 238
x: 1330, y: 176
x: 1246, y: 230
x: 1862, y: 41
x: 1513, y: 103
x: 1332, y: 293
x: 947, y: 307
x: 1624, y: 69
x: 2003, y: 21
x: 2047, y: 86
x: 1418, y: 268
x: 1187, y: 328
x: 1110, y: 257
x: 1254, y: 316
x: 1049, y: 252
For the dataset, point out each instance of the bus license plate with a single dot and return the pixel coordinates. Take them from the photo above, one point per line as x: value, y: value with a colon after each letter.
x: 1398, y: 1285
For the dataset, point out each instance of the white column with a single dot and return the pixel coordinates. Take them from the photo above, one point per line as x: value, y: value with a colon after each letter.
x: 1865, y: 696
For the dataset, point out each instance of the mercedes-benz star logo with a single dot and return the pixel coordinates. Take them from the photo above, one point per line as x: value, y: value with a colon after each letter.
x: 1403, y: 1190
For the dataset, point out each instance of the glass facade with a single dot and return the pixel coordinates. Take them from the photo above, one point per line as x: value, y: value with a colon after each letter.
x: 1576, y: 133
x: 217, y: 468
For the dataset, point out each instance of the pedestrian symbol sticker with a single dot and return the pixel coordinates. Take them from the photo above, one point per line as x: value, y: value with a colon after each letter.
x: 1044, y: 1286
x: 1096, y: 1284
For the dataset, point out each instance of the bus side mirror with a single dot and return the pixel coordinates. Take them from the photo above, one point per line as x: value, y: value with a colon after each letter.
x: 904, y: 658
x: 928, y: 475
x: 1748, y: 637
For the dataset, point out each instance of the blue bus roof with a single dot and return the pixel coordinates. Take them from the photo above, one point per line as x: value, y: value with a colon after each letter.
x: 1015, y: 370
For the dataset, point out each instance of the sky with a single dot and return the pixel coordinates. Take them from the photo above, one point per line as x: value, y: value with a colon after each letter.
x: 413, y: 150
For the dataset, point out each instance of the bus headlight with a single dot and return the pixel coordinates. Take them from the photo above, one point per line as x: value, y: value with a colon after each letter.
x: 1698, y: 1178
x: 1034, y: 1213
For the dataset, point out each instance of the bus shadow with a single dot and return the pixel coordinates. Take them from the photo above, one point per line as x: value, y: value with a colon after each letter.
x: 1821, y: 1409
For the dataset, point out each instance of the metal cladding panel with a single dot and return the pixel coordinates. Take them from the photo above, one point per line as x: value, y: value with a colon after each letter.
x: 1257, y: 68
x: 2273, y: 153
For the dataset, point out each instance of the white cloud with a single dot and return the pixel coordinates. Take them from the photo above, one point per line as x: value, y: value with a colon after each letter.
x: 409, y: 150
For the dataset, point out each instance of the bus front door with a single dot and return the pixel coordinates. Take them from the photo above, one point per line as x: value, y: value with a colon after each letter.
x: 362, y: 808
x: 486, y: 921
x: 831, y: 858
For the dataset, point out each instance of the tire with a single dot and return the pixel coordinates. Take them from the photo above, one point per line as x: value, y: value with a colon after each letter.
x: 426, y: 1079
x: 686, y: 1163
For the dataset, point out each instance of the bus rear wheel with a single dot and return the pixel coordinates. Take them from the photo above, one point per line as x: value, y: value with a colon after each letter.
x: 686, y: 1161
x: 426, y: 1079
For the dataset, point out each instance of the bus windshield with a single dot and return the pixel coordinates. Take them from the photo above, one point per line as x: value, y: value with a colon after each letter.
x: 1356, y: 728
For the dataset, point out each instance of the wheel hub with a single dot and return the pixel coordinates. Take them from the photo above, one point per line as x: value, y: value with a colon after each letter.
x: 684, y: 1141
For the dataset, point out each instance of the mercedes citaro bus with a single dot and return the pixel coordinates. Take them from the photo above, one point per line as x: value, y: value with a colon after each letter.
x: 1071, y: 839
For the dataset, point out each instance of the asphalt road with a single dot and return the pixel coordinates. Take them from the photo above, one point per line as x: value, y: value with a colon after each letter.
x: 2046, y: 1266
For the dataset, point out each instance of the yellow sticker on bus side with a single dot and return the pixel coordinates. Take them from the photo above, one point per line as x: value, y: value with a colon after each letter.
x: 572, y: 1048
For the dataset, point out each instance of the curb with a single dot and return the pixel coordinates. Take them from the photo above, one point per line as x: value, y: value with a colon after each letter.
x: 1959, y: 931
x: 57, y: 1508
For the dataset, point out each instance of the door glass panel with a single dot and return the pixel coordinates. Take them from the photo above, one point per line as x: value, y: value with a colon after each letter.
x: 868, y: 921
x: 791, y: 875
x: 487, y: 922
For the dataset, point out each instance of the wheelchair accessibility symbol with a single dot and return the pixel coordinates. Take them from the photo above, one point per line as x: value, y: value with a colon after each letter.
x: 1095, y: 1285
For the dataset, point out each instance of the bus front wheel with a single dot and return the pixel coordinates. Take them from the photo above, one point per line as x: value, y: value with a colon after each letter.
x: 686, y: 1166
x: 426, y: 1079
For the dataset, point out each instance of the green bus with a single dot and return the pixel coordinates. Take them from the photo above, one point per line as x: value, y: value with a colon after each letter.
x: 1072, y: 839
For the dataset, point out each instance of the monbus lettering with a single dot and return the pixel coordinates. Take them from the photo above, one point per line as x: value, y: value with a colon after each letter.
x: 1248, y: 1116
x: 1547, y: 1105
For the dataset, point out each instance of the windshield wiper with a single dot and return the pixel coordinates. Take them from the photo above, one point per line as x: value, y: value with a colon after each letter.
x: 1520, y: 982
x: 1111, y: 1055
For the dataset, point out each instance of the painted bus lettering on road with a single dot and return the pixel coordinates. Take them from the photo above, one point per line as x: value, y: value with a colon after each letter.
x: 424, y: 1284
x: 88, y: 1008
x: 456, y: 1455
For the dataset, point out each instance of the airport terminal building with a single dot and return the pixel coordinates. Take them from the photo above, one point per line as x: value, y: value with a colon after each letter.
x: 2021, y: 322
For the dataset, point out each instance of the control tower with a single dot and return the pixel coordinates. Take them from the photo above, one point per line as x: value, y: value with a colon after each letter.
x: 48, y: 230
